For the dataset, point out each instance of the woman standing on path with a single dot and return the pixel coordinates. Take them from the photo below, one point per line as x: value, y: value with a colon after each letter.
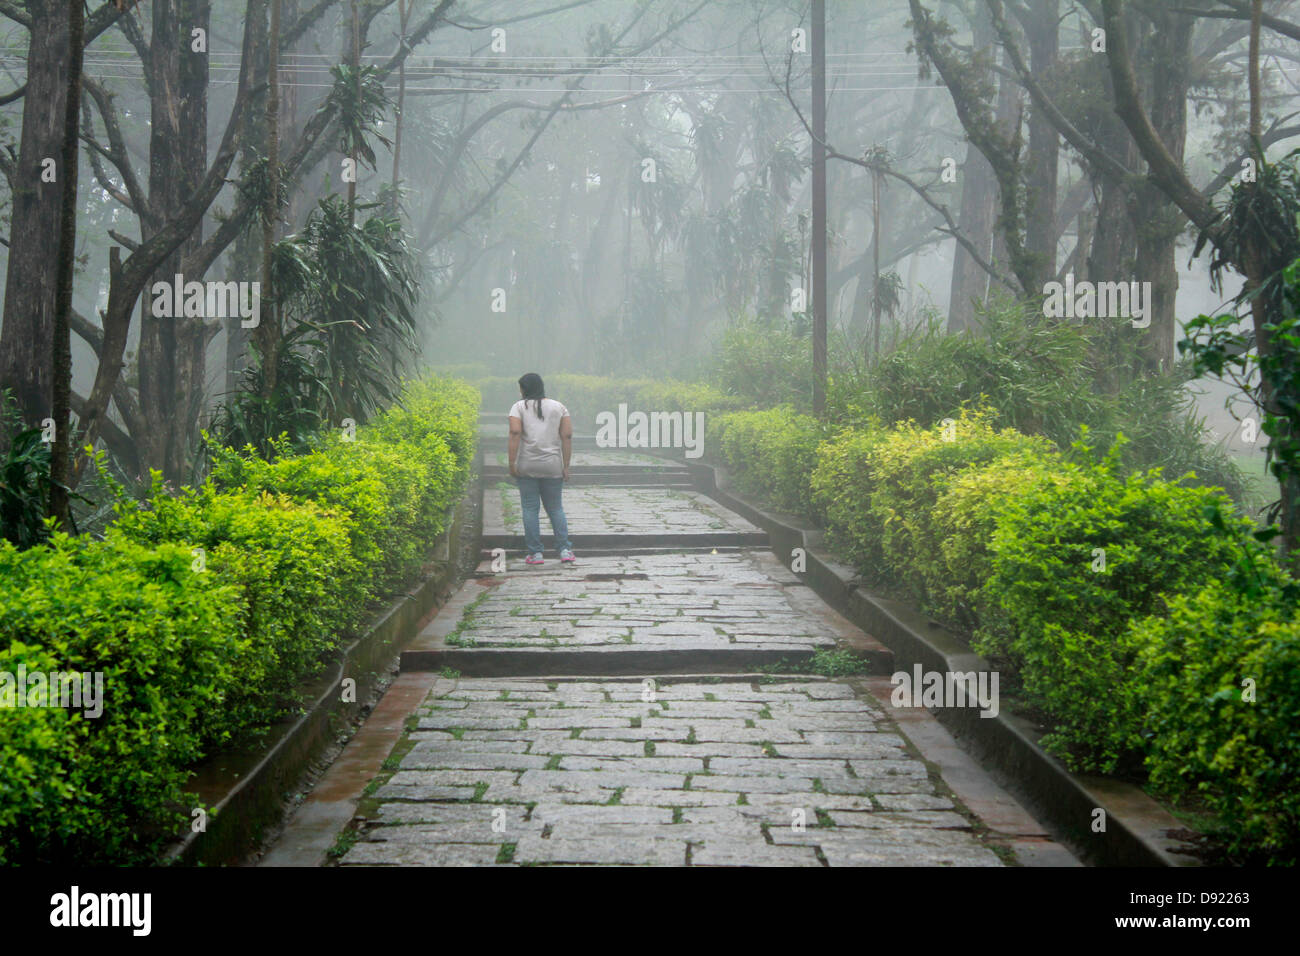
x: 541, y: 444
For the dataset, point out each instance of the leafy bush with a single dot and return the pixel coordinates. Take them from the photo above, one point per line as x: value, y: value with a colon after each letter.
x: 962, y: 522
x: 771, y: 453
x: 36, y: 750
x: 910, y: 468
x: 1064, y: 618
x: 394, y: 481
x: 167, y: 642
x: 1044, y: 378
x: 764, y: 364
x: 1210, y: 729
x: 301, y: 585
x: 192, y: 656
x: 841, y: 487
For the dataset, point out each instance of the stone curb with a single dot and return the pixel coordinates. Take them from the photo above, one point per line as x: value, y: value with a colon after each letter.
x: 1137, y: 826
x: 246, y: 789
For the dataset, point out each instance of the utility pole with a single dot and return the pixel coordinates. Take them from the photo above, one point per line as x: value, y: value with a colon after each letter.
x: 819, y: 205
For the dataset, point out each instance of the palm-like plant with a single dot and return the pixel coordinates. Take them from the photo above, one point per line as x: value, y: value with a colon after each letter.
x: 361, y: 298
x: 359, y: 103
x: 347, y: 296
x: 292, y: 413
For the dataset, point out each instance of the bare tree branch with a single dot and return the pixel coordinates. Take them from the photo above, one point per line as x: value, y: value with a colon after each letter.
x: 951, y: 228
x: 116, y: 153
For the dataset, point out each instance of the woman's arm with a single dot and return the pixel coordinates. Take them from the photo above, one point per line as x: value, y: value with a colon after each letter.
x: 516, y: 430
x: 566, y: 442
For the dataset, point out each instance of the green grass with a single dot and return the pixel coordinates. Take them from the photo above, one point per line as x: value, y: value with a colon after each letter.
x: 837, y: 663
x: 346, y: 841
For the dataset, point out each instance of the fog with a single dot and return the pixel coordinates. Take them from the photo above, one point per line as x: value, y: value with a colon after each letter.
x: 603, y: 186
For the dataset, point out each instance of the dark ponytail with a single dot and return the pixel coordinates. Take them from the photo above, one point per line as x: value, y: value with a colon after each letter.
x: 533, y: 390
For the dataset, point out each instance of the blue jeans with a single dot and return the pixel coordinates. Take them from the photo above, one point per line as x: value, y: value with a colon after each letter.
x: 535, y: 492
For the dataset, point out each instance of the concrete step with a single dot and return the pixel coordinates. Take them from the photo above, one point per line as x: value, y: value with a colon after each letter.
x: 631, y: 479
x: 630, y: 661
x: 623, y: 543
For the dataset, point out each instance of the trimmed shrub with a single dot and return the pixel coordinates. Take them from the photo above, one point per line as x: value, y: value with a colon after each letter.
x: 1075, y: 560
x: 292, y: 563
x: 167, y: 642
x: 394, y: 481
x: 196, y: 649
x: 772, y: 453
x: 910, y: 468
x: 956, y: 561
x: 1044, y: 378
x: 1221, y: 673
x: 841, y: 488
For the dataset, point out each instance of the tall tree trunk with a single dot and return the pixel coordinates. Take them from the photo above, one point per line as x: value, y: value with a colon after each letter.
x: 356, y: 74
x: 60, y: 454
x: 875, y: 261
x: 403, y: 13
x: 970, y: 283
x: 1257, y: 269
x: 26, y: 358
x: 172, y: 350
x: 1114, y: 236
x: 1008, y: 120
x: 268, y: 332
x: 1044, y: 142
x: 1159, y: 220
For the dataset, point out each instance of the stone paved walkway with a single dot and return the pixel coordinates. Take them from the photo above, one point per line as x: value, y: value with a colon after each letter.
x: 790, y: 773
x: 678, y: 600
x: 674, y: 767
x: 598, y: 510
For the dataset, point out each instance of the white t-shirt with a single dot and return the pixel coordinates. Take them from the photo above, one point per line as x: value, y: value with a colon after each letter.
x: 540, y: 452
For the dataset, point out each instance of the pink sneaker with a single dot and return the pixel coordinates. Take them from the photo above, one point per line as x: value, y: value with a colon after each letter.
x: 534, y: 559
x: 567, y: 556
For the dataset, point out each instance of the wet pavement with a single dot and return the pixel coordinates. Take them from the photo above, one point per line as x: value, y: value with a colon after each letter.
x: 730, y: 765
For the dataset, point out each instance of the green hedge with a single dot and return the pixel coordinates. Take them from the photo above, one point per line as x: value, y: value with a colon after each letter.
x: 771, y: 452
x: 75, y: 789
x: 1076, y: 561
x: 586, y: 396
x: 911, y: 467
x: 1223, y: 717
x: 1097, y: 591
x: 199, y: 646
